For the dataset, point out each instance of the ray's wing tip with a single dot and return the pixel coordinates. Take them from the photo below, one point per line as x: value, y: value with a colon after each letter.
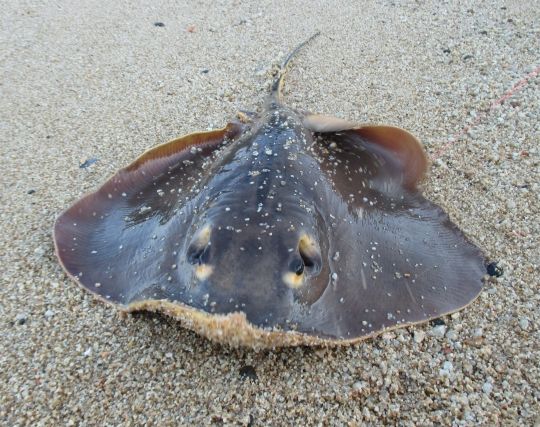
x: 405, y: 147
x: 63, y: 229
x: 178, y: 145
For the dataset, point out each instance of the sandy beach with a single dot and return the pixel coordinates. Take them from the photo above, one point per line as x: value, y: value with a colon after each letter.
x: 88, y: 87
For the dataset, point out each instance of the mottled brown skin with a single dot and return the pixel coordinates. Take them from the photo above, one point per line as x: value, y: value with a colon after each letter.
x: 308, y: 228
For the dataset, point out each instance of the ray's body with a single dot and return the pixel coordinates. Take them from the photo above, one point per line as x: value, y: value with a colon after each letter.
x: 287, y: 229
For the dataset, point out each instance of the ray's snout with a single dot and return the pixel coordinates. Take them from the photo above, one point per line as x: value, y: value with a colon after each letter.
x: 263, y: 277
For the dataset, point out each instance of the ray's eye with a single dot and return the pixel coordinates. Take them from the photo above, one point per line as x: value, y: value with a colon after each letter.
x: 307, y: 260
x: 305, y: 264
x: 309, y: 254
x: 198, y: 252
x: 197, y: 255
x: 297, y: 266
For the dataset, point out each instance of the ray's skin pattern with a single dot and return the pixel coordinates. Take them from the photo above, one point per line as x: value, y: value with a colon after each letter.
x: 303, y: 227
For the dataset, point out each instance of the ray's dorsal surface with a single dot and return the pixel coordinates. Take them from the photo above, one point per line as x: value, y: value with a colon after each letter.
x: 288, y: 229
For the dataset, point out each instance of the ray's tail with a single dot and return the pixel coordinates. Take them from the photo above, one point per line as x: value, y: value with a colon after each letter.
x: 276, y: 93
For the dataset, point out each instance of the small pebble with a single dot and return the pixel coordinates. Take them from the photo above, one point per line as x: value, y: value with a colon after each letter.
x: 487, y: 387
x: 88, y: 162
x: 438, y: 331
x: 447, y: 369
x: 49, y: 314
x: 524, y: 324
x: 388, y: 336
x: 451, y: 335
x: 419, y: 336
x: 359, y: 386
x: 437, y: 322
x: 248, y: 372
x: 478, y: 332
x: 493, y: 269
x: 21, y: 318
x: 39, y: 251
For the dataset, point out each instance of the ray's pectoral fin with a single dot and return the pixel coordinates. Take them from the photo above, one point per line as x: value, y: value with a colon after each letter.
x: 402, y: 260
x: 398, y: 145
x: 403, y: 145
x: 122, y: 242
x: 401, y: 263
x: 322, y: 123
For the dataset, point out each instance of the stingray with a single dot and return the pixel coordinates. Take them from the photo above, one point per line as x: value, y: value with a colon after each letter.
x: 282, y: 228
